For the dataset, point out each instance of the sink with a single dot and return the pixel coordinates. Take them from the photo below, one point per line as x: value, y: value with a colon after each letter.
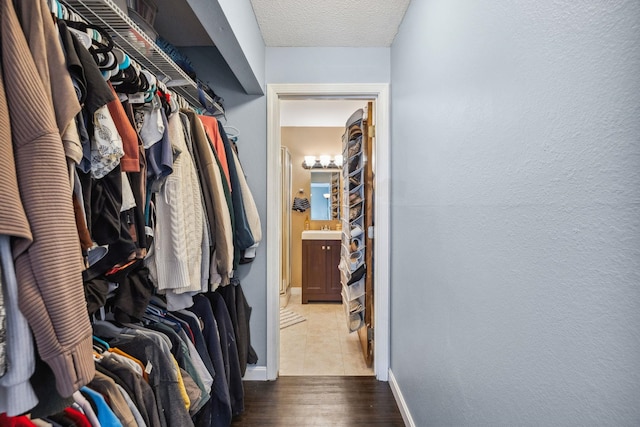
x: 321, y: 235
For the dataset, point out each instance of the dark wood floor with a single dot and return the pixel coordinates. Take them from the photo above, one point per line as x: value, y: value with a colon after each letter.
x: 319, y: 401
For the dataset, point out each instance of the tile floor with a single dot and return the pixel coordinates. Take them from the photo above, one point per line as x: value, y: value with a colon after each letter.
x: 321, y: 345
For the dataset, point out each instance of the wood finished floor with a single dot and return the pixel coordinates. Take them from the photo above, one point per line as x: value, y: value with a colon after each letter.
x: 319, y: 401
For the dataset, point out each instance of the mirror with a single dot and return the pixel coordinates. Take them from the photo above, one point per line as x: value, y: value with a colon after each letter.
x: 325, y: 195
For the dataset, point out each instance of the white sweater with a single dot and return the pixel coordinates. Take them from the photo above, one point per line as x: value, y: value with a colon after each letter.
x: 180, y: 222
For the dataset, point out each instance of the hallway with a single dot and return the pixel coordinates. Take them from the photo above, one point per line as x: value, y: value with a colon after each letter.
x: 319, y: 401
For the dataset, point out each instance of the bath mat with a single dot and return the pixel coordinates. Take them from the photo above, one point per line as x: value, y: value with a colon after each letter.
x: 288, y: 318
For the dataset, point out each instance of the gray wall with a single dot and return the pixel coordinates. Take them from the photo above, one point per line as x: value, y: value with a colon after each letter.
x: 515, y: 212
x: 245, y: 28
x: 327, y: 65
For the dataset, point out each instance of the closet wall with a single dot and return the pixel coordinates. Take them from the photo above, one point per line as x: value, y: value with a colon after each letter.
x: 327, y: 65
x: 515, y: 193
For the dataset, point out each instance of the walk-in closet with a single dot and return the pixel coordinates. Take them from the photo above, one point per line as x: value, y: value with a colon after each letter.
x: 127, y: 224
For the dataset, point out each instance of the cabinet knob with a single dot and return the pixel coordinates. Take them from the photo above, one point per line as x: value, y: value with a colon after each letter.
x: 328, y: 248
x: 323, y: 248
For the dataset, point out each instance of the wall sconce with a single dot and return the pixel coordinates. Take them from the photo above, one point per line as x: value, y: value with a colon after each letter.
x: 323, y: 162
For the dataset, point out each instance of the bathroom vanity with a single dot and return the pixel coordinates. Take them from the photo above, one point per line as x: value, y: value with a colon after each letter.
x: 320, y: 259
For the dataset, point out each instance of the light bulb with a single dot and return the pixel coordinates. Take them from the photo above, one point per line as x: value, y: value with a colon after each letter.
x: 325, y: 160
x: 309, y: 161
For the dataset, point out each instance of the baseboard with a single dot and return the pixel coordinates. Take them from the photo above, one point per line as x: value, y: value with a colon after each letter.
x: 255, y: 373
x: 402, y: 404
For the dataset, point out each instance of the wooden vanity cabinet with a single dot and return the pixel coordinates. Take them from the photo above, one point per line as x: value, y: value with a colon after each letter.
x: 320, y: 274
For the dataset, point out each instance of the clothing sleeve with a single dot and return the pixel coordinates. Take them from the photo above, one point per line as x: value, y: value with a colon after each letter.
x: 16, y: 394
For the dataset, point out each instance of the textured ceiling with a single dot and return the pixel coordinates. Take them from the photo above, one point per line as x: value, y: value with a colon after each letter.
x: 329, y: 23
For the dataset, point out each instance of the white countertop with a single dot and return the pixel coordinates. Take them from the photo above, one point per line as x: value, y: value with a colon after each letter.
x: 321, y: 235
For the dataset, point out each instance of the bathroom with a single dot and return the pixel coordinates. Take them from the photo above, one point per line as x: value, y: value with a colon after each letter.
x: 321, y: 344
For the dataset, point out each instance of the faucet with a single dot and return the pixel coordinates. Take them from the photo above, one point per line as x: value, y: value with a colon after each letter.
x: 326, y: 227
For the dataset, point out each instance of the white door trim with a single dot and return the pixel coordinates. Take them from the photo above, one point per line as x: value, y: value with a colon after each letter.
x: 374, y: 91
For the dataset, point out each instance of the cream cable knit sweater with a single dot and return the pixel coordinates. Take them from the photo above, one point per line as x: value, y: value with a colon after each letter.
x: 180, y: 220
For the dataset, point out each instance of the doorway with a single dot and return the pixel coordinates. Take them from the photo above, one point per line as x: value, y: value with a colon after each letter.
x: 315, y: 334
x: 380, y: 94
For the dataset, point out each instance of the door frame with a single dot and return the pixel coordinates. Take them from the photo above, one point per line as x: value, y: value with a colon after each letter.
x: 379, y: 92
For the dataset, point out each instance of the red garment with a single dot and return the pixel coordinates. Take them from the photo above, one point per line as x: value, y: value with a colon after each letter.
x: 21, y: 421
x: 77, y: 417
x: 130, y: 162
x: 211, y: 128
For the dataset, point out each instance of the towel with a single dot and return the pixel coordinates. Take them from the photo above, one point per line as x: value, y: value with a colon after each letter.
x: 301, y: 204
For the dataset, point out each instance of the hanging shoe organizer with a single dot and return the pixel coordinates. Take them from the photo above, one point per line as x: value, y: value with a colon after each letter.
x: 352, y: 263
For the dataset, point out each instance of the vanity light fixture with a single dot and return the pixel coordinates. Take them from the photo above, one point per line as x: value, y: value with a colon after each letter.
x: 323, y: 162
x: 309, y: 162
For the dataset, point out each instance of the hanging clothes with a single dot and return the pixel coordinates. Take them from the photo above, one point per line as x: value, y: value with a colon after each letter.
x: 54, y: 312
x: 109, y: 199
x: 39, y: 30
x: 140, y: 391
x: 216, y: 204
x: 240, y: 315
x: 212, y: 129
x: 180, y: 227
x: 251, y: 211
x: 229, y: 351
x: 162, y: 378
x: 218, y: 411
x: 243, y: 237
x: 16, y: 395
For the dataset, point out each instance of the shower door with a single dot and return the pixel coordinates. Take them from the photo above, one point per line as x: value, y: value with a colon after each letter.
x: 285, y: 182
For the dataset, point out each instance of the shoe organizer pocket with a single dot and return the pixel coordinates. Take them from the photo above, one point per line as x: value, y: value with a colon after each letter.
x: 355, y: 211
x: 355, y: 321
x: 356, y: 178
x: 355, y: 290
x: 356, y: 227
x: 355, y: 162
x: 356, y: 195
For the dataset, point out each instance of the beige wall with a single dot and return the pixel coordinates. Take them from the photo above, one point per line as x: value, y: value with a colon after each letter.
x: 306, y: 141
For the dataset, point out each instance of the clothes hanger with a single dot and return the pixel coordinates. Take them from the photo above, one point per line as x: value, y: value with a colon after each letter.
x: 232, y: 132
x: 100, y: 342
x: 101, y: 40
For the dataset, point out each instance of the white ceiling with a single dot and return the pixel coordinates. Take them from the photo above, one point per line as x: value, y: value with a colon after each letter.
x: 318, y: 112
x: 329, y: 23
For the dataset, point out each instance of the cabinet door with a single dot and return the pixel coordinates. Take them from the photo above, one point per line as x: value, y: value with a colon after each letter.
x: 320, y: 274
x: 333, y: 273
x: 314, y: 271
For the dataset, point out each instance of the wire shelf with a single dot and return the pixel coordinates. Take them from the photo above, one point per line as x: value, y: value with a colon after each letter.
x: 129, y: 37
